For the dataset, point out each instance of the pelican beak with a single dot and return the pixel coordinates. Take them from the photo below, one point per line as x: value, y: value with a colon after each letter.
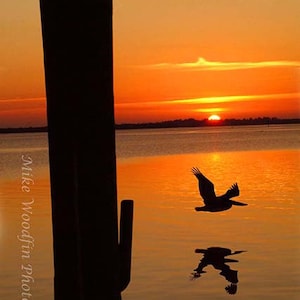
x: 238, y: 203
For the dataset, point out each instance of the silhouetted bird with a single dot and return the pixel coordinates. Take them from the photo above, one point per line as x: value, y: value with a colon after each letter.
x: 212, y: 202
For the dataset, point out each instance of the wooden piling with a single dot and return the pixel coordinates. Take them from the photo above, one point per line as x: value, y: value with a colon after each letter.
x: 77, y: 40
x: 125, y: 246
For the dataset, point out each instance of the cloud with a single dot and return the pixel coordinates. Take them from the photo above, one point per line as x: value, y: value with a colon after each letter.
x: 239, y: 98
x: 28, y: 100
x: 212, y: 100
x: 204, y: 65
x: 18, y: 104
x: 211, y: 110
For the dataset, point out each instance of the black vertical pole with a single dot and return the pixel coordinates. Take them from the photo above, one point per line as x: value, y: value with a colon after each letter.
x: 125, y: 246
x: 77, y: 39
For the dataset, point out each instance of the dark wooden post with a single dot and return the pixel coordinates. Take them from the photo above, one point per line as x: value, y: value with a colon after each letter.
x: 125, y: 246
x: 77, y: 39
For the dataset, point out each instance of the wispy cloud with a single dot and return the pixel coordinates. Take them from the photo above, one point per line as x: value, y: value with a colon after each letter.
x: 204, y: 65
x: 213, y: 100
x: 211, y: 110
x: 240, y: 98
x: 28, y: 100
x: 22, y: 104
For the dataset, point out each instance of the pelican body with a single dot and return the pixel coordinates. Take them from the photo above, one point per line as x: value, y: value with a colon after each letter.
x: 212, y: 202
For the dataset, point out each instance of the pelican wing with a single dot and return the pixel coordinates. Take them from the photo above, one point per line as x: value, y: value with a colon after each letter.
x: 206, y: 187
x: 233, y: 191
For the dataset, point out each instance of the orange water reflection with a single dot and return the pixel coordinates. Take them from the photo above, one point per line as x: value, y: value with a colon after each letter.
x: 40, y: 255
x: 167, y: 229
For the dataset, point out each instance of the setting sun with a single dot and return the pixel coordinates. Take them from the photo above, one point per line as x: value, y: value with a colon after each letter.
x: 214, y: 118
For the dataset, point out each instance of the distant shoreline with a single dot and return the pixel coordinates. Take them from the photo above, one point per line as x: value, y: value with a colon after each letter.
x: 174, y: 124
x: 206, y: 123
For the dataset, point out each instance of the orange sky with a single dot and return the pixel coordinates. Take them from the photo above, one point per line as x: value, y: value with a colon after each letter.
x: 172, y: 59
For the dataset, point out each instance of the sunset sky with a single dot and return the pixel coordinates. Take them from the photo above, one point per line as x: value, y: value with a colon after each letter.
x: 172, y: 59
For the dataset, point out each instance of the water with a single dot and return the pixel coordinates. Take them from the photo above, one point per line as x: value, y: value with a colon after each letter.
x: 158, y: 142
x: 154, y: 169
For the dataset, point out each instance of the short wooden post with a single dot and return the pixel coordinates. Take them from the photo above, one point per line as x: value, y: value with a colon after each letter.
x: 125, y: 245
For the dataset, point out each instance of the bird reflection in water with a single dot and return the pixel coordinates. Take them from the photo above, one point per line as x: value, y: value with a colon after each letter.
x: 212, y: 202
x: 216, y: 256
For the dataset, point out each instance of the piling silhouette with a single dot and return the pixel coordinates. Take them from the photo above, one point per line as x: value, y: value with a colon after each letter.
x: 89, y: 261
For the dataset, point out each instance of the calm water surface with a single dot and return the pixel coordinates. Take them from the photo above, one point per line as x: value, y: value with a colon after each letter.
x: 154, y: 170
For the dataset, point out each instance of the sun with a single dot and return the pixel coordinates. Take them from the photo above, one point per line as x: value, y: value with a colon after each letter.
x: 214, y: 118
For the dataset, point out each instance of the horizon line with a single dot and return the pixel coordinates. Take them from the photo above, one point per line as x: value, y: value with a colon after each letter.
x: 174, y: 120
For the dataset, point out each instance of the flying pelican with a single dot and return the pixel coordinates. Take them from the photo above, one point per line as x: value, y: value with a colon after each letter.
x: 212, y: 202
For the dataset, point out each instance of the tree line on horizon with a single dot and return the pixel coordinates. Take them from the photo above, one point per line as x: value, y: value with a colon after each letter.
x: 175, y: 123
x: 205, y: 122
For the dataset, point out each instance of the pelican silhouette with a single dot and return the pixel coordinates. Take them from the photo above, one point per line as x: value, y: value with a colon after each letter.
x: 212, y: 202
